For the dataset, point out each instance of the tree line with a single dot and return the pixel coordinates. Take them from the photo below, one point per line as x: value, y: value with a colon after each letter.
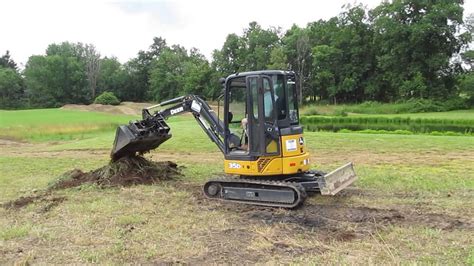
x: 400, y: 50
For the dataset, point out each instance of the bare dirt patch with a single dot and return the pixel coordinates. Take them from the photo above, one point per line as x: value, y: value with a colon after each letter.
x: 323, y: 223
x: 364, y: 219
x: 126, y: 171
x: 126, y: 108
x: 47, y: 198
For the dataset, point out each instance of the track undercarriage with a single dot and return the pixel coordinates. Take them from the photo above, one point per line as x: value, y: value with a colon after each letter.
x: 279, y: 191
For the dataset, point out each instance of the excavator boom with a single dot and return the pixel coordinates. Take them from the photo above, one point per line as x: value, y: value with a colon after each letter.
x: 150, y: 132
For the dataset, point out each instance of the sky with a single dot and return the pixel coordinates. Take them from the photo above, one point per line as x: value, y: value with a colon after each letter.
x: 122, y: 28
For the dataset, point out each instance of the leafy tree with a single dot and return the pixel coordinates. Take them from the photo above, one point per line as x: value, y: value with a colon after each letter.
x: 55, y: 80
x: 199, y: 77
x: 178, y: 72
x: 11, y: 89
x: 251, y: 51
x: 166, y: 79
x: 6, y: 61
x: 230, y: 59
x: 416, y: 40
x: 258, y: 44
x: 112, y: 77
x: 468, y: 58
x: 326, y: 61
x: 466, y: 86
x: 278, y: 59
x: 138, y: 71
x: 67, y: 49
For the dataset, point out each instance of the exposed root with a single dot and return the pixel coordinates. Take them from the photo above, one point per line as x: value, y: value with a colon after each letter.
x: 126, y: 171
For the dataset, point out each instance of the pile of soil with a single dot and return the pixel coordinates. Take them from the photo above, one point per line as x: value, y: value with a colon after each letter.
x: 127, y: 171
x: 127, y: 108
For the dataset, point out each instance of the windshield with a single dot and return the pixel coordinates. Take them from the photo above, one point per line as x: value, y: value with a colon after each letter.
x: 279, y: 92
x: 292, y: 99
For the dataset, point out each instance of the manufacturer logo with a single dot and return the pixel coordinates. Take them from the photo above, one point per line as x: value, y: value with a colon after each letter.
x: 177, y: 110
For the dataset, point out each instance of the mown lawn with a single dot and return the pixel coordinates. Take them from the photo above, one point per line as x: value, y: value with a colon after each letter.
x: 422, y: 186
x: 56, y: 124
x: 453, y: 115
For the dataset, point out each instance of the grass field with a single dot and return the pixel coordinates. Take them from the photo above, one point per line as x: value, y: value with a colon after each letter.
x: 413, y: 202
x: 56, y: 124
x: 453, y: 115
x: 375, y: 108
x: 364, y: 118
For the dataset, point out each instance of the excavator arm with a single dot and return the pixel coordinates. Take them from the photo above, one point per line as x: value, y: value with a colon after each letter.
x: 147, y: 134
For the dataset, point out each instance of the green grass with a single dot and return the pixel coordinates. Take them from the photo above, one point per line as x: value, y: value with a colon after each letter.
x: 374, y: 118
x: 451, y: 115
x: 388, y: 123
x: 411, y: 106
x: 171, y: 222
x: 57, y: 124
x: 54, y: 116
x: 15, y: 231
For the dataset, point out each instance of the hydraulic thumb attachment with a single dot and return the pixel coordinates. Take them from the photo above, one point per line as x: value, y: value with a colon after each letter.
x: 150, y: 132
x: 139, y: 137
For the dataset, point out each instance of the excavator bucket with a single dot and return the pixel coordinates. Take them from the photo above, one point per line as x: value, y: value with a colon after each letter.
x: 338, y: 179
x: 139, y: 137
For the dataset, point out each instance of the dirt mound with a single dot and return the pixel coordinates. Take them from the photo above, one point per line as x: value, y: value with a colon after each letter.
x: 127, y: 108
x: 126, y: 171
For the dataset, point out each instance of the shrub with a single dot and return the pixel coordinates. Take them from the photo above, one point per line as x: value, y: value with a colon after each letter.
x: 345, y: 130
x: 107, y: 98
x: 340, y: 113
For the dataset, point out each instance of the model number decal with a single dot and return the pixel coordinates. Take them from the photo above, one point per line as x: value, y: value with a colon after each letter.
x: 177, y: 110
x: 291, y: 145
x: 234, y: 166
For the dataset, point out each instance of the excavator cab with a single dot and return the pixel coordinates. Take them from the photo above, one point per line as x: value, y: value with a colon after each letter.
x: 260, y: 137
x: 264, y: 118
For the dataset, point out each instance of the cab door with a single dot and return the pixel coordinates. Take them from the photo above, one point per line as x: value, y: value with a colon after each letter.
x: 264, y: 137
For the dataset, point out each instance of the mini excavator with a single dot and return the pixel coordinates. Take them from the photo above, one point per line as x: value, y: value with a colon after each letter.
x: 265, y: 154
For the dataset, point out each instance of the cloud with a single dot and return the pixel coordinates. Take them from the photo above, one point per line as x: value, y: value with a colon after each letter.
x: 123, y: 28
x: 164, y: 12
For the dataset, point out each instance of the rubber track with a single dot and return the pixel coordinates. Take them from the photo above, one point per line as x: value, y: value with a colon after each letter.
x: 296, y: 187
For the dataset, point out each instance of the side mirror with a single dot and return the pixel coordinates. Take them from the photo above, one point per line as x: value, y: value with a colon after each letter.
x: 222, y: 81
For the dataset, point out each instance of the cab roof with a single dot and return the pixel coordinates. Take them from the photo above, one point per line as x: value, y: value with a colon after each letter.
x: 260, y: 72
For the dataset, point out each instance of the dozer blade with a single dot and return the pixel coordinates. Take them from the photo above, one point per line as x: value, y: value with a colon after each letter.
x: 139, y: 137
x: 338, y: 179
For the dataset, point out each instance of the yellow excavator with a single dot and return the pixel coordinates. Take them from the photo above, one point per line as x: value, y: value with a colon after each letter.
x: 258, y: 132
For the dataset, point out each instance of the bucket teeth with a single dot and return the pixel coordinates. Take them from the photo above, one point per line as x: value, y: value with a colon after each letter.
x: 139, y: 137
